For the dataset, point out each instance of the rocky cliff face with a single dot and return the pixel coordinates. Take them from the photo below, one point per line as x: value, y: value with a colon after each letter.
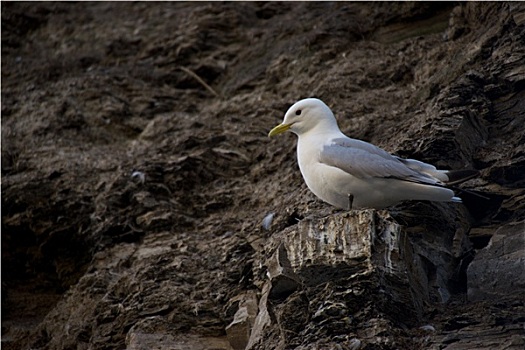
x: 144, y: 207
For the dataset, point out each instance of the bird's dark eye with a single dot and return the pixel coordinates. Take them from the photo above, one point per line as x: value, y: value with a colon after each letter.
x: 298, y: 112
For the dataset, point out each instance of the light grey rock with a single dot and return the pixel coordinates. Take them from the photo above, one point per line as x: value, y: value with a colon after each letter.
x: 331, y: 270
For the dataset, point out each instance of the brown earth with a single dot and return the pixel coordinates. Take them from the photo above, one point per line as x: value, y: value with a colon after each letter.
x: 136, y: 171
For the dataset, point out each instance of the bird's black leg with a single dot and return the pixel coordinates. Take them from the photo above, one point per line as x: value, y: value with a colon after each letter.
x: 350, y: 201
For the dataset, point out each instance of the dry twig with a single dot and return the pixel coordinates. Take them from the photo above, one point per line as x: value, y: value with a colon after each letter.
x: 199, y: 79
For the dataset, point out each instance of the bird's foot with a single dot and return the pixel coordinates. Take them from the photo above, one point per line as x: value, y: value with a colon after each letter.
x: 350, y: 201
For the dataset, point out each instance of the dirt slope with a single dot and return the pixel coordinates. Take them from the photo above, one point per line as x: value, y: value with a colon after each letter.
x: 136, y: 170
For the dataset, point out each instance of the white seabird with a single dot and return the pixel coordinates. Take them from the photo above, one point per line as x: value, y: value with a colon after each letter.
x: 350, y: 173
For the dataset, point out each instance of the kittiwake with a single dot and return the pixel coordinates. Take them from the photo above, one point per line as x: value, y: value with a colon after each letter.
x: 352, y: 174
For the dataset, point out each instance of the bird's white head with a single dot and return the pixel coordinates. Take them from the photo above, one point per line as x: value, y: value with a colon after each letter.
x: 306, y: 115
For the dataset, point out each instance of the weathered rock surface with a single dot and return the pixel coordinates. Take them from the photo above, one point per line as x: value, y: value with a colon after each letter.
x: 136, y: 173
x: 350, y: 282
x: 240, y: 329
x: 498, y: 270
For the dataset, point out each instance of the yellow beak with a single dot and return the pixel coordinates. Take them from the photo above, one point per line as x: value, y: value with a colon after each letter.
x: 279, y: 129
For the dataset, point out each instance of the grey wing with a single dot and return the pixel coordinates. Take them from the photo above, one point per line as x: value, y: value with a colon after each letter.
x: 425, y: 168
x: 364, y: 160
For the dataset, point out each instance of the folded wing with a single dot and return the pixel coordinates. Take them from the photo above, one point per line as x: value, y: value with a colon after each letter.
x: 364, y: 160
